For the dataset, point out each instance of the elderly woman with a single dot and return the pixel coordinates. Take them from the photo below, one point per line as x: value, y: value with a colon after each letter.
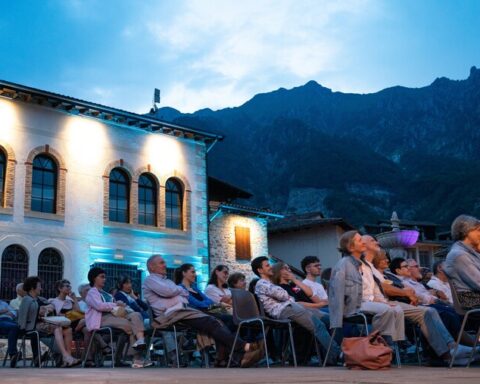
x: 462, y: 265
x: 103, y: 311
x: 217, y: 288
x: 30, y: 318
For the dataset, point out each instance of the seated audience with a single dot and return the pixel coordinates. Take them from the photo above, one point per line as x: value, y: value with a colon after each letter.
x: 31, y: 317
x: 103, y: 311
x: 439, y: 281
x: 237, y: 280
x: 217, y: 289
x: 280, y: 305
x: 170, y: 305
x: 313, y: 269
x: 126, y: 295
x: 325, y: 278
x: 462, y: 265
x: 186, y: 277
x: 9, y: 327
x: 83, y: 291
x: 15, y: 303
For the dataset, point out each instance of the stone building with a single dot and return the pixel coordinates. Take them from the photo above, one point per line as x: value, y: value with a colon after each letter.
x: 84, y: 184
x: 238, y: 233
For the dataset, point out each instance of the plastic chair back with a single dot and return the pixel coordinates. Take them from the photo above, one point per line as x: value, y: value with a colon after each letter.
x: 244, y: 305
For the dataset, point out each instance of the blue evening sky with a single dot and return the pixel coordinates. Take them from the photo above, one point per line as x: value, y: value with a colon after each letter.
x: 219, y: 54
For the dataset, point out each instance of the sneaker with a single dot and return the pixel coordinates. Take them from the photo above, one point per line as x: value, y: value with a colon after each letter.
x: 147, y: 363
x: 462, y: 351
x: 137, y: 364
x: 139, y: 345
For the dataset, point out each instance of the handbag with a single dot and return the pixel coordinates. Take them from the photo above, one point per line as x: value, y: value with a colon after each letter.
x: 74, y: 315
x: 61, y: 321
x: 369, y: 352
x: 119, y: 312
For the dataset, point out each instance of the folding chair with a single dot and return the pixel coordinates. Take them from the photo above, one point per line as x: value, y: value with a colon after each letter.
x: 102, y: 330
x: 37, y: 336
x: 246, y: 314
x: 465, y: 314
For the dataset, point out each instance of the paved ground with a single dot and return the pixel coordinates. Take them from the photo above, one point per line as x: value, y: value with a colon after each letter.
x: 276, y: 375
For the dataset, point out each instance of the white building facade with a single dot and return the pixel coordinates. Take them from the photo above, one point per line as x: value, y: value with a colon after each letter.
x: 84, y: 184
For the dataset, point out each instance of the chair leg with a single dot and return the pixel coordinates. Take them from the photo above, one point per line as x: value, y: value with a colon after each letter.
x: 397, y: 354
x: 329, y: 347
x: 39, y: 349
x: 234, y: 345
x: 110, y: 331
x: 150, y: 344
x: 464, y: 322
x: 265, y: 343
x: 177, y: 345
x: 92, y: 336
x: 292, y: 345
x: 477, y: 335
x: 417, y: 345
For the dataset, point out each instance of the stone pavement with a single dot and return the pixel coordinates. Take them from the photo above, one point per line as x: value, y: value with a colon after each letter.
x: 277, y: 375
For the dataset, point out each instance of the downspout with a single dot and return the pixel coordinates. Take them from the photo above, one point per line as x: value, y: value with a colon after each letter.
x: 208, y: 205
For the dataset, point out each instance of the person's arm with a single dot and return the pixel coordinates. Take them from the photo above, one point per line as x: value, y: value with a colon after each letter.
x: 94, y: 300
x: 300, y: 284
x: 468, y: 273
x: 391, y: 290
x: 273, y: 291
x: 164, y: 288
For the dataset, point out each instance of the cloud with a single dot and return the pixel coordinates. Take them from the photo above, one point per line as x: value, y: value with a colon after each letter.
x: 242, y: 48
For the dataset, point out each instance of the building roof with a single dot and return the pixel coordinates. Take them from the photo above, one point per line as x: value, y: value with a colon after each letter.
x: 107, y: 114
x: 246, y: 210
x: 305, y: 221
x: 221, y: 191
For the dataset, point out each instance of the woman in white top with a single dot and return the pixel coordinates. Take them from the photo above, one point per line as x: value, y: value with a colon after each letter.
x: 217, y: 289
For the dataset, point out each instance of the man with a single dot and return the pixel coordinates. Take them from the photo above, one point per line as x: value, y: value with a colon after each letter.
x: 407, y: 272
x: 280, y: 305
x: 313, y: 269
x: 169, y: 303
x: 346, y: 290
x: 15, y: 303
x: 426, y: 318
x: 9, y: 327
x: 439, y: 281
x: 462, y: 265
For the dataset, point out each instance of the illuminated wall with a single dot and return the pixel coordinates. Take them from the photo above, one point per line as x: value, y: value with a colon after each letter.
x: 222, y: 241
x: 87, y: 146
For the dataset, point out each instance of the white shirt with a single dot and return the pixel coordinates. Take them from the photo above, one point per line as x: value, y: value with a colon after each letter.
x: 215, y: 294
x: 439, y: 285
x: 317, y: 289
x: 370, y: 290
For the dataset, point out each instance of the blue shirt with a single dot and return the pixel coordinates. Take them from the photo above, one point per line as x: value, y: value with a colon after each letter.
x: 196, y: 303
x: 11, y: 314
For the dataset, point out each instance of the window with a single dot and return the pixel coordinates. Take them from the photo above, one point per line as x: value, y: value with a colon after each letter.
x: 424, y: 259
x: 173, y: 204
x: 44, y: 184
x: 50, y: 270
x: 147, y: 200
x: 3, y: 169
x: 14, y: 270
x: 119, y: 193
x: 242, y: 243
x: 115, y: 270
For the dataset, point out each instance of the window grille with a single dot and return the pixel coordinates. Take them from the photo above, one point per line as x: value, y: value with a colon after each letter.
x: 50, y: 270
x: 3, y: 168
x: 14, y: 270
x: 115, y: 270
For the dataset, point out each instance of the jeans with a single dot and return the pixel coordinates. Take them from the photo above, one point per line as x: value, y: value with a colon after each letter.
x: 10, y: 328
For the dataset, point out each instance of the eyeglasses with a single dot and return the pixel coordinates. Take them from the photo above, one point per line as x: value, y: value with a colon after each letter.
x: 403, y: 266
x: 66, y: 286
x: 413, y: 266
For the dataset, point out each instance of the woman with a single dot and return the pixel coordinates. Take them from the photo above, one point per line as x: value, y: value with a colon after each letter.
x: 217, y: 289
x: 237, y: 280
x: 125, y: 294
x: 66, y: 303
x: 100, y: 313
x: 186, y: 276
x: 30, y: 318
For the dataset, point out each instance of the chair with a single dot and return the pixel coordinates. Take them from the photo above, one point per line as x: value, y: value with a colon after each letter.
x: 465, y: 314
x: 175, y: 328
x: 246, y: 314
x: 101, y: 330
x: 37, y: 335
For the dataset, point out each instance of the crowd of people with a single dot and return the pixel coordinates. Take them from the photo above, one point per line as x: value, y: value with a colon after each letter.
x: 364, y: 280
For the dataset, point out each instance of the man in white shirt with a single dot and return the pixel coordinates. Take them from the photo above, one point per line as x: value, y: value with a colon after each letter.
x: 312, y: 268
x: 439, y: 281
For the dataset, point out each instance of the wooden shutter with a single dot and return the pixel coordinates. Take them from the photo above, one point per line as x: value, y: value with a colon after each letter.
x: 242, y: 243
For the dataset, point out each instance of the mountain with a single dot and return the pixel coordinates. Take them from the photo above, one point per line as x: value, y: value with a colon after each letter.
x: 357, y: 156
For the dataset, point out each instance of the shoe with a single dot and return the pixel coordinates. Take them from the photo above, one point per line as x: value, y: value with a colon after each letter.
x: 70, y: 361
x: 139, y: 345
x: 122, y: 364
x: 462, y: 351
x: 147, y: 363
x: 14, y: 358
x: 106, y: 351
x: 137, y: 364
x: 251, y: 357
x: 90, y: 364
x: 43, y: 358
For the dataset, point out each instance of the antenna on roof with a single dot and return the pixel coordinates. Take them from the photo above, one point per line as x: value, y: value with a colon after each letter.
x: 156, y: 99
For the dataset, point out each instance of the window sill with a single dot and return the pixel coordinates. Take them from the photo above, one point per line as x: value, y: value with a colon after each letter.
x: 145, y: 230
x: 45, y: 216
x: 6, y: 211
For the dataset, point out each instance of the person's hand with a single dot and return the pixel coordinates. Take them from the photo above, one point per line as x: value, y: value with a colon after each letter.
x: 121, y: 304
x: 413, y: 299
x: 73, y: 296
x: 133, y: 295
x: 441, y: 295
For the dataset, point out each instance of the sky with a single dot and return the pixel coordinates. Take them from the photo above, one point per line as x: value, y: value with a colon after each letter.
x: 218, y: 54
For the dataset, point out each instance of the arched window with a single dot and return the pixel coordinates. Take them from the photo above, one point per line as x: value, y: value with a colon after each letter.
x: 3, y: 171
x: 119, y: 196
x: 44, y: 184
x: 147, y: 200
x: 50, y: 270
x: 173, y: 204
x: 14, y: 270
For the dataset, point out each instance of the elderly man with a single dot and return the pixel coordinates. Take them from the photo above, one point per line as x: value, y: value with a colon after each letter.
x: 462, y: 265
x: 15, y: 303
x: 170, y: 305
